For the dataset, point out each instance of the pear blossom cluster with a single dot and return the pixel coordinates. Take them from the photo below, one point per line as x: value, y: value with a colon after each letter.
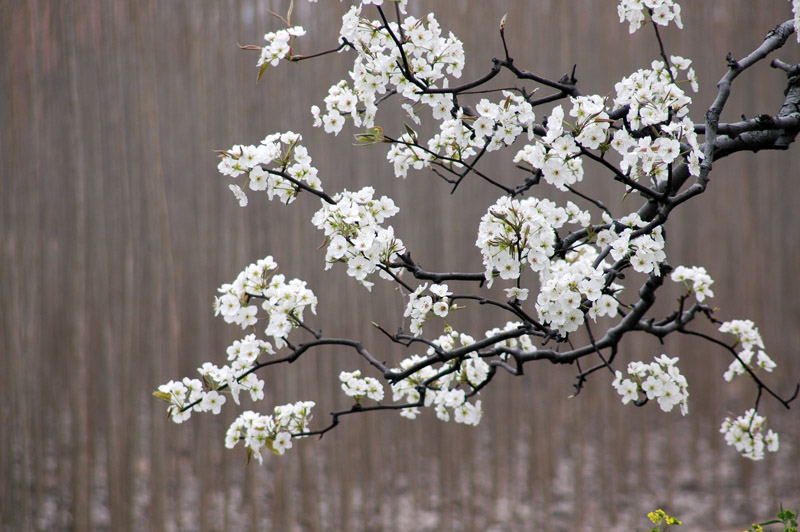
x: 405, y: 155
x: 354, y: 385
x: 354, y: 234
x: 751, y: 346
x: 472, y: 371
x: 591, y: 120
x: 650, y: 158
x: 516, y: 234
x: 341, y: 101
x: 653, y: 99
x: 696, y: 280
x: 501, y: 123
x: 237, y: 377
x: 661, y: 12
x: 182, y: 394
x: 284, y: 302
x: 203, y: 396
x: 645, y: 252
x: 444, y: 387
x: 746, y: 434
x: 420, y: 308
x: 460, y: 135
x: 556, y: 154
x: 652, y: 95
x: 659, y: 381
x: 454, y: 143
x: 429, y: 54
x: 233, y: 305
x: 290, y: 160
x: 274, y: 432
x: 572, y: 286
x: 279, y: 45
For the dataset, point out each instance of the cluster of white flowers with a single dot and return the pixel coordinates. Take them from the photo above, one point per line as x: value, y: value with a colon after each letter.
x: 341, y: 101
x: 444, y: 392
x: 556, y: 154
x: 696, y: 280
x: 660, y: 380
x: 653, y: 99
x: 499, y: 124
x: 273, y: 432
x: 284, y: 302
x: 356, y: 386
x: 570, y: 282
x: 404, y: 155
x: 180, y: 394
x: 457, y: 140
x: 421, y: 308
x: 652, y: 96
x: 291, y: 158
x: 661, y: 12
x: 453, y: 143
x: 354, y: 235
x: 592, y: 123
x: 645, y: 252
x: 749, y: 339
x: 204, y: 395
x: 746, y: 434
x: 235, y: 377
x: 651, y: 158
x: 472, y: 370
x: 430, y: 56
x: 279, y: 44
x: 522, y: 233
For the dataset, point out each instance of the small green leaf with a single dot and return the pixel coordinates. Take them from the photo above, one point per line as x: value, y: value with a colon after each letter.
x: 163, y: 396
x: 370, y: 136
x: 262, y: 70
x: 271, y: 447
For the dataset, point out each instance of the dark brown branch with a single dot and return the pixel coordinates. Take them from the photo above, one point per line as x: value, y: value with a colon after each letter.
x: 661, y: 48
x: 408, y: 263
x: 345, y: 44
x: 299, y: 184
x: 357, y: 409
x: 466, y: 86
x: 760, y: 123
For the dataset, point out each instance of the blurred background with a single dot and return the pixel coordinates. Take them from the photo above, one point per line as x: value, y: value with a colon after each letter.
x: 117, y: 230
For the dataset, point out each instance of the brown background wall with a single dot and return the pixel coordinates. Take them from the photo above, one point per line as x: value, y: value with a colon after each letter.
x: 117, y: 230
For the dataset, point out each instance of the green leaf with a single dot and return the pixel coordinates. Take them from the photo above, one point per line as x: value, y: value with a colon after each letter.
x: 271, y: 448
x: 163, y: 396
x: 370, y: 136
x: 262, y: 70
